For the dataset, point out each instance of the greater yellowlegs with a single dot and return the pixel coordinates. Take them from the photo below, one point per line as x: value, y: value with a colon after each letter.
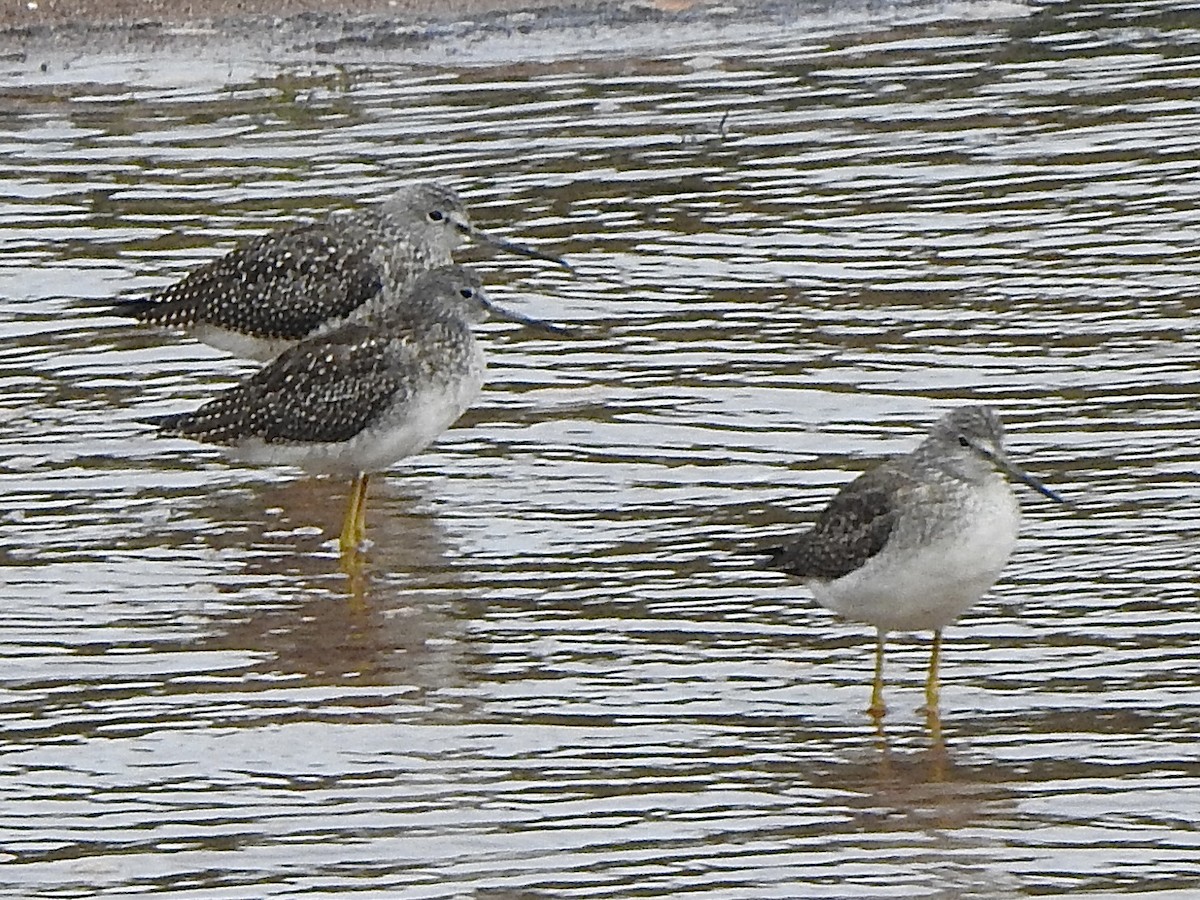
x: 354, y: 400
x: 910, y: 544
x: 282, y: 287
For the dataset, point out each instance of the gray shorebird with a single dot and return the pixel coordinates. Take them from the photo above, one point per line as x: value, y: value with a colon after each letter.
x: 362, y: 396
x: 912, y: 543
x: 282, y: 287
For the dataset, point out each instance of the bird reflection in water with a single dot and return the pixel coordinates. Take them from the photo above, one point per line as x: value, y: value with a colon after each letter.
x: 399, y: 626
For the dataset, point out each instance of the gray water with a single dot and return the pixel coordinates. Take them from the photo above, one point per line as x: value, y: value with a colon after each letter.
x: 562, y: 672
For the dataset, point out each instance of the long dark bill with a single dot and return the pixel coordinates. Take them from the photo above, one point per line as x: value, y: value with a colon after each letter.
x: 518, y: 249
x: 501, y: 313
x: 1025, y: 478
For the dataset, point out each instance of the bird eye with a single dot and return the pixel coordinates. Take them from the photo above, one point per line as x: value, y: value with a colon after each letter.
x: 963, y: 442
x: 466, y: 293
x: 436, y: 215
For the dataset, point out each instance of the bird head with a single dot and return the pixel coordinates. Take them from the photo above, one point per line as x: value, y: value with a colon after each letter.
x: 970, y: 441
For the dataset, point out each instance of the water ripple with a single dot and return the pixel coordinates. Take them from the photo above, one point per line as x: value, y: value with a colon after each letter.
x: 564, y: 673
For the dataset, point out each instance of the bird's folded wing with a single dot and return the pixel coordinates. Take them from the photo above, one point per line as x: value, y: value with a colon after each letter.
x: 279, y: 285
x: 851, y: 529
x: 320, y: 391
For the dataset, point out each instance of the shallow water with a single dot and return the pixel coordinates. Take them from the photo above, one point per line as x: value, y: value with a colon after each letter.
x: 561, y: 673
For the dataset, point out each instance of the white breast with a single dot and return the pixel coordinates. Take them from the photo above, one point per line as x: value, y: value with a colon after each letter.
x: 926, y: 584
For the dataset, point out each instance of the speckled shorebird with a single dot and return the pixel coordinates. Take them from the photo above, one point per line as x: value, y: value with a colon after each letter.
x: 288, y: 285
x: 356, y: 399
x: 910, y: 544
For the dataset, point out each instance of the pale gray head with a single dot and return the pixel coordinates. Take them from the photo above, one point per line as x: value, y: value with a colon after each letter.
x: 460, y: 291
x: 440, y: 216
x: 969, y: 442
x: 431, y: 211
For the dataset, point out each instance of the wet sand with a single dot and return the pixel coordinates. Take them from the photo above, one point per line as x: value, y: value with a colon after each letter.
x: 326, y: 25
x: 119, y: 14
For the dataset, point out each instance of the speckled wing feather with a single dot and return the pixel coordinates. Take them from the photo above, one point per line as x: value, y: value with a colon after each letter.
x: 850, y: 530
x: 319, y: 391
x: 279, y: 285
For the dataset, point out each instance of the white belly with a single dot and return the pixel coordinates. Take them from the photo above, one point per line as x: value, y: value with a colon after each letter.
x: 393, y: 436
x: 243, y: 346
x: 927, y: 584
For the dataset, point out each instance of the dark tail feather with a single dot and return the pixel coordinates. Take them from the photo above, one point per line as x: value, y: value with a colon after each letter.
x: 142, y: 310
x: 169, y: 424
x: 775, y: 556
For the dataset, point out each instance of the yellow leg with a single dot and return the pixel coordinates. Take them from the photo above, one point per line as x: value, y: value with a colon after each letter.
x: 877, y: 708
x: 356, y: 580
x: 350, y: 537
x: 931, y: 680
x: 940, y: 761
x: 937, y: 743
x: 360, y: 522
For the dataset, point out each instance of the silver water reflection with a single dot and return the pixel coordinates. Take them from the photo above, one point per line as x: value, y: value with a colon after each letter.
x: 562, y: 673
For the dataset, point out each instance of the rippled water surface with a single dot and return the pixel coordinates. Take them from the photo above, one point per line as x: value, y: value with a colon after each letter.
x: 562, y: 673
